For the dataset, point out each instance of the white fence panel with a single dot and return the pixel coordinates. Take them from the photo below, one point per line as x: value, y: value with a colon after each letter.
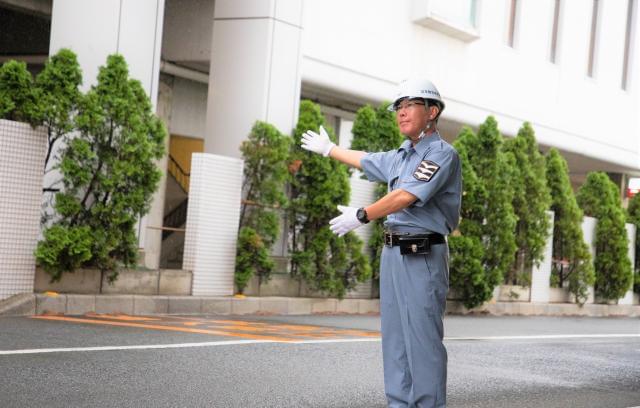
x: 362, y: 195
x: 212, y: 223
x: 22, y: 152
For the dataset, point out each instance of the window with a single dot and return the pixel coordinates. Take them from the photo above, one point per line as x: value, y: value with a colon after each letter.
x: 513, y: 17
x: 554, y: 31
x: 594, y: 39
x: 628, y: 40
x: 455, y: 18
x: 461, y: 13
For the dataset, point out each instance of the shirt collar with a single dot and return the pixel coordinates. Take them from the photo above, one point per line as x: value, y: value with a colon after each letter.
x: 421, y: 147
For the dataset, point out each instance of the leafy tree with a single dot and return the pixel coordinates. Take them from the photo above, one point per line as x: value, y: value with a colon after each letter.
x: 501, y: 219
x: 58, y: 95
x: 571, y: 257
x: 468, y: 278
x: 376, y: 130
x: 530, y: 201
x: 634, y: 217
x: 327, y: 262
x: 488, y: 220
x: 57, y: 90
x: 265, y: 155
x: 599, y: 198
x: 18, y: 99
x: 109, y: 175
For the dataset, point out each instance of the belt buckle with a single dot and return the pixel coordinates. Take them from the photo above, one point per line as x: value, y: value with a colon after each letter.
x: 388, y: 239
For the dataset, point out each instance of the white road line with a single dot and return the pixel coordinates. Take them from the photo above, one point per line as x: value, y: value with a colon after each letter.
x: 141, y: 347
x: 356, y: 340
x: 547, y: 337
x: 363, y: 340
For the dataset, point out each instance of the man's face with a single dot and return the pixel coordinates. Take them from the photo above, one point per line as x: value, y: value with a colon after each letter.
x: 412, y: 116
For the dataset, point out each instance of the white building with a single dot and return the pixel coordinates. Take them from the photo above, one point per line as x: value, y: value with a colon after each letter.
x: 214, y: 67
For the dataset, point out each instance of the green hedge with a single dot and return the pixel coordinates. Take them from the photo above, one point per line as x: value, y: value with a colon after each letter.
x: 571, y: 258
x: 600, y: 198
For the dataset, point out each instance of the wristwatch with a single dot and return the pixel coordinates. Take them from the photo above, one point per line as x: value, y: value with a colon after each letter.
x: 362, y: 216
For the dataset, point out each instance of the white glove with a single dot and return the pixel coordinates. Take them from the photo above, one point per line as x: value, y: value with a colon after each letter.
x: 345, y: 222
x: 317, y: 143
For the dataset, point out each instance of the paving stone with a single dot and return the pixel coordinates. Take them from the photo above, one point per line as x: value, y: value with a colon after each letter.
x: 324, y: 305
x: 299, y: 306
x: 114, y: 304
x: 219, y: 306
x: 80, y: 304
x: 47, y: 304
x: 274, y: 305
x: 246, y: 305
x: 185, y: 305
x: 150, y: 305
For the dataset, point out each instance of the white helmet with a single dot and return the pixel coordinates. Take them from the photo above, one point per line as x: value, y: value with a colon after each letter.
x: 417, y: 88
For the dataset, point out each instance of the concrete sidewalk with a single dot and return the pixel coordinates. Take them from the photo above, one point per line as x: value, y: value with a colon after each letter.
x: 72, y: 304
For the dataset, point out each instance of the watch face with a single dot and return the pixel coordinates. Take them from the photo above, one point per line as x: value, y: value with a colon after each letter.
x: 361, y: 215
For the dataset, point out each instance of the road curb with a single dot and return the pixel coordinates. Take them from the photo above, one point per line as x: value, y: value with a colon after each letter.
x: 27, y: 304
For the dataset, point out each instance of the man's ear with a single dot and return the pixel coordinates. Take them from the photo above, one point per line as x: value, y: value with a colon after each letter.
x: 433, y: 112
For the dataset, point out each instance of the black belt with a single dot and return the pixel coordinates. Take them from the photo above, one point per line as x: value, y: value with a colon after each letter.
x: 413, y: 244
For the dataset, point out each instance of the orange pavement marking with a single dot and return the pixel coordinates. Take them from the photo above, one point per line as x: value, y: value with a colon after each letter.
x: 245, y: 328
x: 307, y: 331
x: 209, y: 320
x: 239, y: 322
x: 169, y: 328
x: 231, y: 328
x: 123, y: 317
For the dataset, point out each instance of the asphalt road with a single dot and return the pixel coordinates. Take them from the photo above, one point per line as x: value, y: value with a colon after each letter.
x: 308, y: 361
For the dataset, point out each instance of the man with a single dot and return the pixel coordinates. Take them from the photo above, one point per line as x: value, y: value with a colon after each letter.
x: 422, y: 206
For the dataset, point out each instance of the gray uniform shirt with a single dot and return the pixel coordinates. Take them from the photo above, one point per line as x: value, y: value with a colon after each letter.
x: 431, y: 171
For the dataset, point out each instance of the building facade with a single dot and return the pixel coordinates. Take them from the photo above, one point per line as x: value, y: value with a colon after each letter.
x: 214, y: 67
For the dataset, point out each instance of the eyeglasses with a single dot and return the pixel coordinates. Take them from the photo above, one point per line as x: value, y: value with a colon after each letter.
x: 407, y: 105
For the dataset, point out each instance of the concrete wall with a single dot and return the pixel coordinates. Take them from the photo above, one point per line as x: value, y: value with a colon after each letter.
x: 132, y: 282
x: 187, y: 33
x: 188, y: 108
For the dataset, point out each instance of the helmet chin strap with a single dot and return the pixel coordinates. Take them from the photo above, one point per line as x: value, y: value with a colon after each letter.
x: 426, y: 128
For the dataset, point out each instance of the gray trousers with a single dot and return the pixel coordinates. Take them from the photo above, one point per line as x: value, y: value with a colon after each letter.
x: 413, y: 291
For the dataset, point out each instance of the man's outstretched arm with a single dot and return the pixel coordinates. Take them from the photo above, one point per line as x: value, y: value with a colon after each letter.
x: 321, y: 144
x: 390, y: 203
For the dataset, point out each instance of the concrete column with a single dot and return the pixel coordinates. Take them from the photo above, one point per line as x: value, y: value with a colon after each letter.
x: 540, y: 275
x: 254, y: 71
x: 94, y: 29
x: 154, y: 219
